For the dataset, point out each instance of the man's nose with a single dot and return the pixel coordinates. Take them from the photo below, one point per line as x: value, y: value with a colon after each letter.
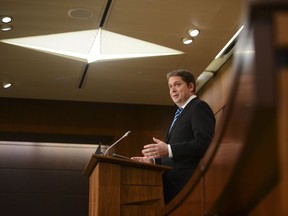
x: 173, y: 89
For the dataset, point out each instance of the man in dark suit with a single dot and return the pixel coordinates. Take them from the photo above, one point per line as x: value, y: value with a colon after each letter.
x: 187, y: 138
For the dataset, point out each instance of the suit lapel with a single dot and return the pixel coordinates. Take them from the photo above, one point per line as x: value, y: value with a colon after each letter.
x: 168, y: 135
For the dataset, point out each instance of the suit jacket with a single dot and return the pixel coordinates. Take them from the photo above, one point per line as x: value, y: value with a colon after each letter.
x: 189, y: 139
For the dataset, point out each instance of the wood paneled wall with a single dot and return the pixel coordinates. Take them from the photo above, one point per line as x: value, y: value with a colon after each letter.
x: 56, y: 121
x: 47, y: 180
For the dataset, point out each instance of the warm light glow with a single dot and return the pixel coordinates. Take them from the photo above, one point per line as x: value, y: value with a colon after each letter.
x: 92, y: 45
x: 203, y: 78
x: 229, y: 42
x: 73, y: 145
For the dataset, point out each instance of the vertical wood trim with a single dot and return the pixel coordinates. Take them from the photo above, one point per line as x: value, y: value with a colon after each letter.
x: 283, y: 140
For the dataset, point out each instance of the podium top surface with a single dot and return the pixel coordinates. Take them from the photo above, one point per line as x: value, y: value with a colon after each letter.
x: 95, y: 159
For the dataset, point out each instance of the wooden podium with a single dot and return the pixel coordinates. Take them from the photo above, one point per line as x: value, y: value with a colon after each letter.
x: 124, y: 187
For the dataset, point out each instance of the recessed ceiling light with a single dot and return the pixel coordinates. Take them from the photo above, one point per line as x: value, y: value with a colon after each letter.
x: 6, y: 27
x: 187, y: 40
x: 6, y: 19
x: 193, y: 32
x: 6, y: 85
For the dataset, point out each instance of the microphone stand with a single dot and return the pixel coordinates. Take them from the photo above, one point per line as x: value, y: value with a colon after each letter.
x: 125, y: 135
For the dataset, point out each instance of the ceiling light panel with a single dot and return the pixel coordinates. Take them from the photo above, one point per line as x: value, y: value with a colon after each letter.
x: 93, y: 45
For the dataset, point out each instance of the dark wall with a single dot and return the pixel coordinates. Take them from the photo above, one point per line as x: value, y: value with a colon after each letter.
x: 44, y: 178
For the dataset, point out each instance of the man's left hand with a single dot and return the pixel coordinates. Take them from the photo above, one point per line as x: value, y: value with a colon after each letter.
x: 158, y: 149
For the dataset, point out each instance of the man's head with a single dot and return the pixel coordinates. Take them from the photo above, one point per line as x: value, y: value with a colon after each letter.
x: 181, y: 85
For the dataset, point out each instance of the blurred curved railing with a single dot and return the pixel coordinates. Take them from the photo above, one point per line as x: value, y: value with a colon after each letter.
x: 241, y: 165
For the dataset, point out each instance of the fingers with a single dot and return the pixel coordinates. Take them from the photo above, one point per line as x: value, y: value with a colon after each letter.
x: 153, y: 150
x: 150, y: 150
x: 136, y: 158
x: 151, y: 153
x: 156, y: 140
x: 142, y: 159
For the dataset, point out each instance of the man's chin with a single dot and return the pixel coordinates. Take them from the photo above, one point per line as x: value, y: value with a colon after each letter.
x: 175, y: 99
x: 176, y: 102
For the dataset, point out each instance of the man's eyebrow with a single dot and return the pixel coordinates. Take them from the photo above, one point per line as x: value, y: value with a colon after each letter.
x: 177, y: 81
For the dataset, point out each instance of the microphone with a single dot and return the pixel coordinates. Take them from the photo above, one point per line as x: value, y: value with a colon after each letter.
x: 125, y: 135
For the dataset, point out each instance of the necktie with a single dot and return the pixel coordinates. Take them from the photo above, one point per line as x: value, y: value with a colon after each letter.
x: 177, y: 113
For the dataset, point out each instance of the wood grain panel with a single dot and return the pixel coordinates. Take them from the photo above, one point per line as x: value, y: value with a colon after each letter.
x: 108, y: 186
x: 141, y: 194
x: 133, y: 176
x: 42, y: 120
x: 194, y: 204
x: 108, y: 190
x: 281, y: 33
x: 276, y: 202
x: 220, y: 171
x: 282, y: 42
x: 269, y: 205
x: 141, y: 210
x: 283, y: 140
x: 217, y: 90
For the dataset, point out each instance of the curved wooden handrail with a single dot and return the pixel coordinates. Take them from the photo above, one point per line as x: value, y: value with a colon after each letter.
x: 240, y: 166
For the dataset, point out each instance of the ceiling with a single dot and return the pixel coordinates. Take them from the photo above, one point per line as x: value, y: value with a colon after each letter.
x: 41, y: 75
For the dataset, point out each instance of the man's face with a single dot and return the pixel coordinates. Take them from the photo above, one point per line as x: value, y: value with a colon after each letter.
x: 179, y: 90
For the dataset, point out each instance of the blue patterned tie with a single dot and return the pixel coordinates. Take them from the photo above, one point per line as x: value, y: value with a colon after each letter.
x: 177, y: 113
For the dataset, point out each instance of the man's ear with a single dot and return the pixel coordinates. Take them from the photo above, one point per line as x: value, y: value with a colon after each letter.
x: 191, y: 87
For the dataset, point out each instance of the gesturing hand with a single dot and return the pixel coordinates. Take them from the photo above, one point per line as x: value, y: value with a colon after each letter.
x: 158, y: 149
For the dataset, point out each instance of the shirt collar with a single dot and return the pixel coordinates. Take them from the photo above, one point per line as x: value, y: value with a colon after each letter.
x: 189, y: 99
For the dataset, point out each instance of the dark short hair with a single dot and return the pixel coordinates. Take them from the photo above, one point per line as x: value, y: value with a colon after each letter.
x: 185, y: 75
